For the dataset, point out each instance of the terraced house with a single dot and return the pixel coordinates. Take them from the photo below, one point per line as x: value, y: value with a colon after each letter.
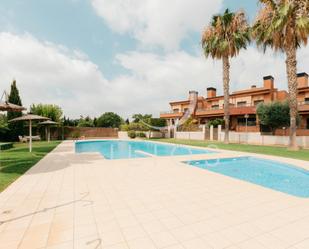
x: 243, y: 105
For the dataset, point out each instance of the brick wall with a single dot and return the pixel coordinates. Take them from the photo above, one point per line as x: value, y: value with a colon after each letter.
x: 299, y: 132
x: 249, y: 128
x: 87, y: 132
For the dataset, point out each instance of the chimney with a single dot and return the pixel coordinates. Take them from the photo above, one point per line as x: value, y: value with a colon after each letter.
x: 253, y: 86
x: 302, y: 80
x: 193, y: 95
x: 268, y: 82
x: 211, y: 92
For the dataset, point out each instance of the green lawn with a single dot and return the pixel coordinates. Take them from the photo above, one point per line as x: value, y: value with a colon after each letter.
x: 267, y: 150
x: 16, y: 161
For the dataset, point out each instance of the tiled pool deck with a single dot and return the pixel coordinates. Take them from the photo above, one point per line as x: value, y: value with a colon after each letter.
x: 73, y: 200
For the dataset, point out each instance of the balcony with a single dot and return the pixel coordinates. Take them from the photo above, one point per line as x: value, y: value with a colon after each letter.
x: 234, y: 110
x: 303, y: 106
x: 171, y: 114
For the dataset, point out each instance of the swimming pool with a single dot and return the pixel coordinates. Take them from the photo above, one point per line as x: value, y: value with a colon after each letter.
x: 119, y: 149
x: 271, y: 174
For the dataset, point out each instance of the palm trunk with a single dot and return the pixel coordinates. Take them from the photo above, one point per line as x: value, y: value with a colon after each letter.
x: 226, y: 86
x: 292, y: 85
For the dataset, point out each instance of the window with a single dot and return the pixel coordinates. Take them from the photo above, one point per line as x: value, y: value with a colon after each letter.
x: 175, y: 110
x: 242, y: 121
x: 215, y: 107
x: 242, y: 103
x: 307, y: 123
x: 256, y: 102
x: 306, y: 100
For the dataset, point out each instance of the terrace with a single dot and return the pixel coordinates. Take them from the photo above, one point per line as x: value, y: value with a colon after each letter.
x: 70, y: 200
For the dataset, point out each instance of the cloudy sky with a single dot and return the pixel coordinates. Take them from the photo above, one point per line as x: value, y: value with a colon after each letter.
x: 125, y: 56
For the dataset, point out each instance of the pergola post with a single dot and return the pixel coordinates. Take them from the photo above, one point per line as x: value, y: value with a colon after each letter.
x: 30, y: 135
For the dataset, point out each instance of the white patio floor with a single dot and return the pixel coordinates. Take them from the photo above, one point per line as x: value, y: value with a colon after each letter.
x: 73, y: 200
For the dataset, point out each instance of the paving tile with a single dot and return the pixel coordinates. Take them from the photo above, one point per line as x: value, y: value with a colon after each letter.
x: 134, y: 232
x: 65, y: 245
x: 117, y: 246
x: 216, y: 240
x: 251, y: 243
x: 88, y: 242
x: 183, y: 233
x: 112, y: 237
x: 175, y: 247
x: 302, y: 244
x: 163, y: 239
x: 60, y: 236
x: 268, y: 239
x: 234, y: 235
x: 171, y: 222
x: 142, y: 243
x: 196, y: 243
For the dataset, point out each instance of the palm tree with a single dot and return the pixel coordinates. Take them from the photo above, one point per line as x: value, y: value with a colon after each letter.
x: 284, y: 25
x: 225, y: 36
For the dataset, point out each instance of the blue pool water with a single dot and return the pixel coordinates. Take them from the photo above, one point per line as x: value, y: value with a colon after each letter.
x: 271, y: 174
x: 117, y: 149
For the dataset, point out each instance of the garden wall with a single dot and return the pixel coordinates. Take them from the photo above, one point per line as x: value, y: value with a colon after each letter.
x: 194, y: 135
x: 70, y: 132
x: 257, y: 138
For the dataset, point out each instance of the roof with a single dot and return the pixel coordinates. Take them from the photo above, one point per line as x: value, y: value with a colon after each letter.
x: 7, y: 106
x: 28, y: 117
x: 48, y: 122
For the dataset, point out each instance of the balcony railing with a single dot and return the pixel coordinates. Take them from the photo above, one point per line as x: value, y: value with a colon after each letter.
x: 171, y: 112
x: 222, y: 107
x: 234, y: 110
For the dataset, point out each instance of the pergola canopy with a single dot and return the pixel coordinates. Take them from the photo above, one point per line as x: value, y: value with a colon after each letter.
x: 6, y: 106
x: 48, y: 122
x: 28, y: 117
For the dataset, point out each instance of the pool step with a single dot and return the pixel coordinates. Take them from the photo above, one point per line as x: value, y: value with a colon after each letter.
x: 145, y: 153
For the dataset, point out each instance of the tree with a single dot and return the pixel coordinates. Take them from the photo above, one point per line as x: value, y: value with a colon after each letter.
x: 225, y: 36
x: 16, y: 128
x: 274, y: 115
x: 109, y: 119
x: 53, y: 112
x: 85, y: 122
x: 70, y: 122
x: 140, y: 117
x: 4, y: 127
x: 284, y: 25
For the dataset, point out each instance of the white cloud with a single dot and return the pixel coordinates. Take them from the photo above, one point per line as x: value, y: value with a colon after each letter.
x: 157, y: 22
x: 49, y: 73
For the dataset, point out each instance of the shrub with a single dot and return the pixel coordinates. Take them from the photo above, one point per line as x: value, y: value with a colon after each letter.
x: 124, y: 127
x: 132, y: 134
x: 140, y: 134
x: 215, y: 122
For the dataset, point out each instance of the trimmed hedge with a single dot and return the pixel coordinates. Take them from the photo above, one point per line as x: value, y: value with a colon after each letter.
x: 6, y: 146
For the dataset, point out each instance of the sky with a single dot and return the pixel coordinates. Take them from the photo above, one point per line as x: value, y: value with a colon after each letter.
x: 124, y: 56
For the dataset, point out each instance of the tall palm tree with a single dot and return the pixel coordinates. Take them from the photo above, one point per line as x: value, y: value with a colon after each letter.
x: 284, y: 25
x: 224, y: 37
